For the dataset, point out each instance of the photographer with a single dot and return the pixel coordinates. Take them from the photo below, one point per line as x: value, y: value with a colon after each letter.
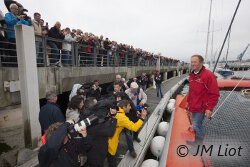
x: 100, y: 132
x: 123, y: 122
x: 60, y: 149
x: 12, y: 18
x: 139, y: 97
x: 95, y: 91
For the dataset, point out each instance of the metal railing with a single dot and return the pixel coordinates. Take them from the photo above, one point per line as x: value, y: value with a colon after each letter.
x: 49, y: 52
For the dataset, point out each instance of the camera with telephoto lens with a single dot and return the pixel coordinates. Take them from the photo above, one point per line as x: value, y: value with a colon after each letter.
x: 73, y: 128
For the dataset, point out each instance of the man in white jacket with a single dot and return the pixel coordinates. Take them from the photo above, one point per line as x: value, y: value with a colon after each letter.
x: 66, y: 47
x: 139, y: 97
x: 136, y: 94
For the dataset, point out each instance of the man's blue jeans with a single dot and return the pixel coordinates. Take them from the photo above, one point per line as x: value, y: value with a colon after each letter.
x: 129, y: 139
x: 55, y: 55
x: 66, y: 59
x: 197, y: 124
x: 158, y: 90
x: 39, y: 52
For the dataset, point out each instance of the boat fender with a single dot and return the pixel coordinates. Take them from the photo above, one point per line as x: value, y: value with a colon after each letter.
x: 150, y: 163
x: 163, y: 128
x: 157, y: 145
x: 170, y: 107
x: 172, y: 101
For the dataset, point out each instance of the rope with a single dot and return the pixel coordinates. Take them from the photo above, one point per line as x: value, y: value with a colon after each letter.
x: 246, y: 93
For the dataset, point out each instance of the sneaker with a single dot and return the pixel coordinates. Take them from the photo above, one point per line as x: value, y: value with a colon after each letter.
x: 133, y: 154
x: 120, y: 156
x: 137, y: 139
x: 57, y: 64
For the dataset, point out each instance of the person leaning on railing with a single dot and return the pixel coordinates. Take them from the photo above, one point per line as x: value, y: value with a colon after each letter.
x: 38, y: 39
x: 55, y: 32
x: 66, y: 47
x: 12, y: 18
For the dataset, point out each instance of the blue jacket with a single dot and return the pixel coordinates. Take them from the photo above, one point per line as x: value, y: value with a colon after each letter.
x: 11, y: 21
x: 50, y: 113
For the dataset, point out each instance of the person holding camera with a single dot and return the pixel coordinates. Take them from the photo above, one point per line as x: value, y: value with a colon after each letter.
x: 95, y: 91
x: 60, y: 148
x: 101, y: 131
x: 139, y: 97
x: 123, y: 122
x: 158, y: 80
x: 11, y: 19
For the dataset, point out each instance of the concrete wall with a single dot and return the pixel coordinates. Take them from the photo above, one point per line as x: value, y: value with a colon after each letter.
x: 62, y: 79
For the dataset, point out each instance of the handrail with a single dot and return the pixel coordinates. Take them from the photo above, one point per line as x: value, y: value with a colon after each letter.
x: 49, y: 54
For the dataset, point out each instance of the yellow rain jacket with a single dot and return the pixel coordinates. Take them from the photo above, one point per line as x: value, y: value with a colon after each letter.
x: 122, y: 122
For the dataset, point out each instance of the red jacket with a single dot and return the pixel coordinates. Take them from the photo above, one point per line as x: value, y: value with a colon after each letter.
x: 203, y: 91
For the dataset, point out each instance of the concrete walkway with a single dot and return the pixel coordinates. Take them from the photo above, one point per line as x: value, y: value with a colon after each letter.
x: 152, y: 101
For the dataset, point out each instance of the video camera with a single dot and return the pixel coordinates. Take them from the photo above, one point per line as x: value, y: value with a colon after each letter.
x: 73, y: 128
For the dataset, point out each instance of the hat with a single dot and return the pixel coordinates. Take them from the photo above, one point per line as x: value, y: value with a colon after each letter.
x: 134, y: 85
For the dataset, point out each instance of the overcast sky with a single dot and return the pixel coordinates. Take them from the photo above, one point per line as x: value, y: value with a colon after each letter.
x: 175, y: 28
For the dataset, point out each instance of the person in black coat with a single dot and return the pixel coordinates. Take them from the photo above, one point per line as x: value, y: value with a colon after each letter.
x: 158, y: 80
x: 100, y: 132
x: 143, y: 81
x: 55, y: 32
x: 95, y: 91
x: 62, y: 150
x: 50, y: 113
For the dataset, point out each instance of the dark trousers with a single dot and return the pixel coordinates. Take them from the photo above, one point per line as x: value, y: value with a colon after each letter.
x: 111, y: 160
x: 129, y: 139
x: 158, y: 90
x: 55, y: 55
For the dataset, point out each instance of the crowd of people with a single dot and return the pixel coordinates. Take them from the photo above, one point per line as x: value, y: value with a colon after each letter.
x: 60, y: 43
x: 97, y: 121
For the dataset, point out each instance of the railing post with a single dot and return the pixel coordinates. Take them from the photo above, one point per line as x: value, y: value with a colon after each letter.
x: 133, y: 59
x: 76, y: 55
x: 126, y: 59
x: 73, y: 54
x: 108, y: 58
x: 45, y: 60
x: 116, y: 63
x: 95, y: 56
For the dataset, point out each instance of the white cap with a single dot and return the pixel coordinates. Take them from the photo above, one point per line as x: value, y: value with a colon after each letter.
x: 134, y: 85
